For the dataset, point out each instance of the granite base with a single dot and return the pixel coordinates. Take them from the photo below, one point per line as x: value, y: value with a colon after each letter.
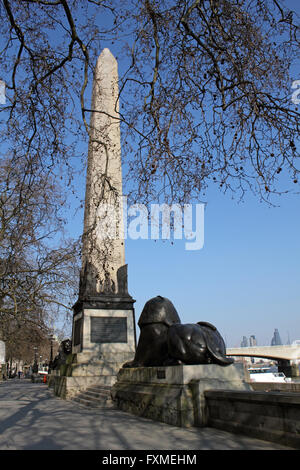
x: 175, y: 394
x: 82, y: 371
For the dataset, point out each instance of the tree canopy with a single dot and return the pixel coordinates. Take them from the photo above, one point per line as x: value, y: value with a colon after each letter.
x: 206, y: 95
x: 205, y: 98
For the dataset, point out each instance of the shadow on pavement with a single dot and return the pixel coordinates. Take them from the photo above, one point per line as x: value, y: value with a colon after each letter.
x: 32, y: 418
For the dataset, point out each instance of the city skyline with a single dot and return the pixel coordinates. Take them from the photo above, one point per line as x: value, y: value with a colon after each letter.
x: 252, y: 341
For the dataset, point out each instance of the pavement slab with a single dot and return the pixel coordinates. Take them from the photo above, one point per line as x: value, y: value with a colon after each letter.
x: 32, y: 418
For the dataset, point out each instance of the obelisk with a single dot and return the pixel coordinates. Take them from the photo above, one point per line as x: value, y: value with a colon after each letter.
x: 103, y: 238
x: 103, y: 335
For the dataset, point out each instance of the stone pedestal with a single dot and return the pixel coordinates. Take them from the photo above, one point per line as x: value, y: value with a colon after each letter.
x: 175, y: 394
x: 103, y: 339
x: 104, y: 327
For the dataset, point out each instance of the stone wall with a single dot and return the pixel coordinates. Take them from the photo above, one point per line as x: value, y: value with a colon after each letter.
x: 273, y: 416
x: 276, y: 386
x: 174, y: 394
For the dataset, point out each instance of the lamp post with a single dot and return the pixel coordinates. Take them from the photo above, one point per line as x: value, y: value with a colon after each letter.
x: 51, y: 353
x: 35, y: 367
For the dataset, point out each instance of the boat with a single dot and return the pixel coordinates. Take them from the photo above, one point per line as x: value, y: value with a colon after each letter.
x: 266, y: 374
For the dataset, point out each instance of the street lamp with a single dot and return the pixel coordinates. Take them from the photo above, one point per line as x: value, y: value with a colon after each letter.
x: 51, y: 353
x: 35, y: 367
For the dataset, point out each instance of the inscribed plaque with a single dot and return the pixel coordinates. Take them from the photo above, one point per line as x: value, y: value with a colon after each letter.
x: 108, y: 329
x: 77, y: 332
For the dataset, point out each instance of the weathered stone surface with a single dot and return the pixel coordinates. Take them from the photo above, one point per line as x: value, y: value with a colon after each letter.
x: 174, y: 394
x: 68, y: 387
x: 103, y: 322
x: 103, y: 279
x: 95, y: 396
x: 97, y: 349
x: 171, y: 404
x: 265, y: 415
x: 103, y: 252
x: 103, y: 295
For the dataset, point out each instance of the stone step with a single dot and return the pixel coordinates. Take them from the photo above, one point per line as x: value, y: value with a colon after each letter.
x: 94, y: 403
x: 100, y: 387
x: 95, y: 396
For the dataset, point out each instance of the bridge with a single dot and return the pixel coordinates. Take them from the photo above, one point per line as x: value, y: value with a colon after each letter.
x: 287, y: 356
x: 288, y: 352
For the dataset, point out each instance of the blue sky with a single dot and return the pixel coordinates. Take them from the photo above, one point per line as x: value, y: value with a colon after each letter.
x: 246, y: 278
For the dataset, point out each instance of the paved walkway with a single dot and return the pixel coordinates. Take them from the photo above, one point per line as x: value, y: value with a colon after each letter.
x: 32, y: 418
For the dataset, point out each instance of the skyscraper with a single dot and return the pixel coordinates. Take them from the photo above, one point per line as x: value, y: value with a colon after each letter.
x: 276, y: 341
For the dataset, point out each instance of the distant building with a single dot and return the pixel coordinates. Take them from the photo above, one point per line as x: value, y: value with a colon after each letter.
x: 276, y: 340
x: 252, y: 341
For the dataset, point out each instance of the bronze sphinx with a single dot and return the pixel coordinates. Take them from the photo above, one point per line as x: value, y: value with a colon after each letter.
x: 164, y: 340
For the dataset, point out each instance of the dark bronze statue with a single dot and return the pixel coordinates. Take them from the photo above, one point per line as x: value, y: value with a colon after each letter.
x: 165, y: 341
x: 157, y: 316
x: 199, y: 343
x: 64, y: 350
